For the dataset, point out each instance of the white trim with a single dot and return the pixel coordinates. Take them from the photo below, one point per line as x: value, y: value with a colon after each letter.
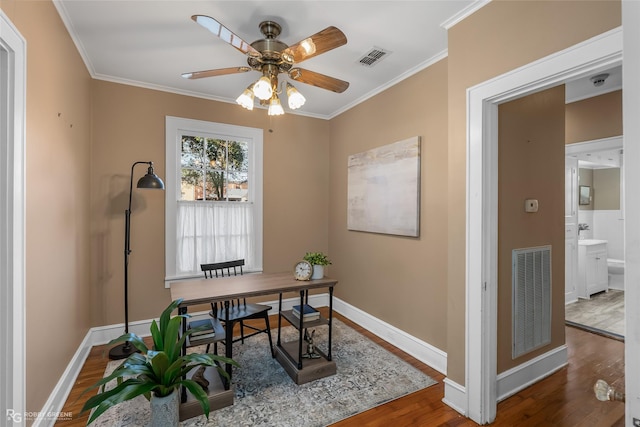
x: 58, y: 396
x: 464, y: 13
x: 64, y: 16
x: 611, y: 143
x: 631, y: 142
x: 522, y: 376
x: 593, y: 55
x: 593, y: 94
x: 421, y: 350
x: 175, y: 125
x: 12, y: 218
x: 455, y: 396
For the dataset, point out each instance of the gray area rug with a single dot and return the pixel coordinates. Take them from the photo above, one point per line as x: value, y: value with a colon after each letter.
x: 367, y: 376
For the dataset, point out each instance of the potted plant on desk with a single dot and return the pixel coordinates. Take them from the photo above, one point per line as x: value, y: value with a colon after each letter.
x: 318, y: 260
x: 156, y: 373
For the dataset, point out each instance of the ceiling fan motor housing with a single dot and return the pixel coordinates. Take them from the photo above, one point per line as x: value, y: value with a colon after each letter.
x: 270, y: 48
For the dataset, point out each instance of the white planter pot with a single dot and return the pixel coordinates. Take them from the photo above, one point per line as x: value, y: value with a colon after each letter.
x: 318, y: 272
x: 165, y: 411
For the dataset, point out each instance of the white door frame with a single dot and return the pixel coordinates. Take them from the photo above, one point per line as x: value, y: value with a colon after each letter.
x: 596, y: 54
x: 631, y: 143
x: 12, y: 221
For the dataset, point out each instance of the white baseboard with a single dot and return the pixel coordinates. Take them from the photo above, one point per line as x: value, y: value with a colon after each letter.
x: 421, y: 350
x: 512, y: 381
x: 62, y: 389
x: 455, y: 396
x: 522, y: 376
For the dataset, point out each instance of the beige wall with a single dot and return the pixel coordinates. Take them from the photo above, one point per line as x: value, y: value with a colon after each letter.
x: 501, y: 36
x: 606, y: 189
x: 128, y: 125
x: 400, y: 280
x: 531, y: 166
x: 58, y: 173
x: 594, y: 118
x: 83, y: 136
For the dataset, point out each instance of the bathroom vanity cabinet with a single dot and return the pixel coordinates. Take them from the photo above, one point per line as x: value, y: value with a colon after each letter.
x: 593, y: 275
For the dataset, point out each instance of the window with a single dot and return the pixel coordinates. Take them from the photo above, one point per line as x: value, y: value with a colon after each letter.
x: 213, y: 196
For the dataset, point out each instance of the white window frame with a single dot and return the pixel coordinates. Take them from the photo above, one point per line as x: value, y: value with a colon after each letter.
x: 175, y: 127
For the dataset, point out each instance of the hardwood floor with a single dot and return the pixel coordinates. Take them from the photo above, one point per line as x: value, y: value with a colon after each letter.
x: 565, y: 398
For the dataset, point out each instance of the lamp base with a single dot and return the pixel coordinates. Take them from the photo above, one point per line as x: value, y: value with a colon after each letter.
x: 122, y: 351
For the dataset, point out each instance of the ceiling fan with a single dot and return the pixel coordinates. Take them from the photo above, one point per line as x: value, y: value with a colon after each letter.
x: 271, y: 57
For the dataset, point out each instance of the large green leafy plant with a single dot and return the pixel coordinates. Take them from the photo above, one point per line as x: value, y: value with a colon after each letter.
x: 160, y: 370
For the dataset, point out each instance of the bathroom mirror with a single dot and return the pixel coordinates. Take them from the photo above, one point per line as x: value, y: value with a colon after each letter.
x: 585, y: 195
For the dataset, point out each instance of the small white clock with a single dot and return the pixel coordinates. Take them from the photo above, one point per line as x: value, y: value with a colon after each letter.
x: 303, y: 270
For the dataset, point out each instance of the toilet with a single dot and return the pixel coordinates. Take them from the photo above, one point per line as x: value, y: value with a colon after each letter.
x: 616, y: 273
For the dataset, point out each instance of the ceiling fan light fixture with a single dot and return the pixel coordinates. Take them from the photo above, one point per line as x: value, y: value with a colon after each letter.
x: 295, y: 98
x: 275, y: 108
x: 246, y: 99
x: 262, y: 88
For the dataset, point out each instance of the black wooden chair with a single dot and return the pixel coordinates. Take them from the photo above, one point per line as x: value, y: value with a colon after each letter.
x: 239, y: 310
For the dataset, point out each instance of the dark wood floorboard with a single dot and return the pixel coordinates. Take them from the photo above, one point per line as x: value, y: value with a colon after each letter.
x: 565, y: 398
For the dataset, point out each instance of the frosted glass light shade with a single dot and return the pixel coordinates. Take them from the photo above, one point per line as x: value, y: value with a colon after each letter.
x: 246, y: 99
x: 262, y: 88
x: 295, y: 98
x: 275, y: 108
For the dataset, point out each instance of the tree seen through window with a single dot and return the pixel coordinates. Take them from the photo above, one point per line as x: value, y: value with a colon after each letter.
x: 214, y: 169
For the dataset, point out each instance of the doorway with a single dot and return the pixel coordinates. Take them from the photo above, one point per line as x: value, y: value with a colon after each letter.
x: 594, y: 236
x: 482, y: 387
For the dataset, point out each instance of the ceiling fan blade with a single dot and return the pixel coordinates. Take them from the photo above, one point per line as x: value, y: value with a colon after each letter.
x: 213, y: 73
x: 324, y: 41
x: 217, y: 29
x: 318, y: 80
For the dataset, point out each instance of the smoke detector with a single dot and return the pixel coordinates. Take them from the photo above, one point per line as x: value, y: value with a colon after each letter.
x: 599, y: 79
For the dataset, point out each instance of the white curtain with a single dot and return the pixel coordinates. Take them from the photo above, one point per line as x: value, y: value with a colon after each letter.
x: 213, y: 232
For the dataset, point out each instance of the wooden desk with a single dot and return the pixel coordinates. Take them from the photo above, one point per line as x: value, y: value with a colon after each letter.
x: 206, y: 291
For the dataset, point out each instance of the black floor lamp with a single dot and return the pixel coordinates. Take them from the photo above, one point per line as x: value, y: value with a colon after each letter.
x: 152, y: 181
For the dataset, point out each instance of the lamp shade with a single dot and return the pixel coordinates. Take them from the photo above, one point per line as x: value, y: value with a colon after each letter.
x: 296, y: 100
x: 275, y: 108
x: 151, y: 180
x: 262, y: 88
x: 246, y: 99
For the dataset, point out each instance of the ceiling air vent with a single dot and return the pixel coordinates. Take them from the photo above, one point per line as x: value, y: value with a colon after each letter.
x: 374, y: 56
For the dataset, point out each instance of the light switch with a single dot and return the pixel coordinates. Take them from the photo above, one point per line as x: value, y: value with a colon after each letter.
x: 531, y: 205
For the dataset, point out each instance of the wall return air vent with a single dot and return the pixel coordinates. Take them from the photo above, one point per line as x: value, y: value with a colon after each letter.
x: 374, y: 56
x: 531, y: 299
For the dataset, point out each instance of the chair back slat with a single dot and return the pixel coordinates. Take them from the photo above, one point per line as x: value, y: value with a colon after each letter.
x: 220, y: 269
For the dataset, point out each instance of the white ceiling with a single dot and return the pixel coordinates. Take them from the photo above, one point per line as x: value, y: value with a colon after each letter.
x: 150, y: 43
x: 583, y: 88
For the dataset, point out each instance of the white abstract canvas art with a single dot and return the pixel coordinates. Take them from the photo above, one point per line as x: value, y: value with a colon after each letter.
x: 384, y: 189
